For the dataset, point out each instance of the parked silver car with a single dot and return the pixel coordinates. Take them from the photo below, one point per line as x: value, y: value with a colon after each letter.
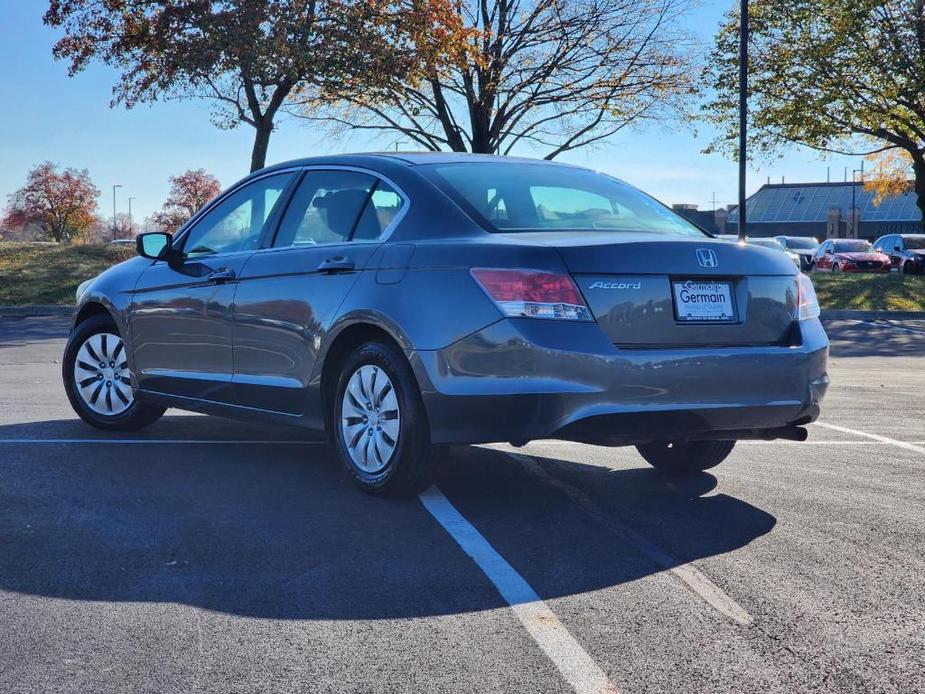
x: 403, y: 302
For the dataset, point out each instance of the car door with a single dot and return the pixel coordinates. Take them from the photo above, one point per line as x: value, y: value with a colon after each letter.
x: 181, y: 313
x: 289, y: 293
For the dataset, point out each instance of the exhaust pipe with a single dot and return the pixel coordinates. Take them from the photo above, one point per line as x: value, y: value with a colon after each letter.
x: 789, y: 433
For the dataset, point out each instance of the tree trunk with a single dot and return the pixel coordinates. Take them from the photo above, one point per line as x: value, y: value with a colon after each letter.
x: 480, y: 118
x: 918, y: 168
x: 261, y: 144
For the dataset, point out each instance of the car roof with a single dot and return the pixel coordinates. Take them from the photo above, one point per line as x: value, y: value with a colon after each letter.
x: 411, y: 159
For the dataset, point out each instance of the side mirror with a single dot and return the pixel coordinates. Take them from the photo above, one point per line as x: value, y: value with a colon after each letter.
x: 154, y: 245
x: 829, y: 251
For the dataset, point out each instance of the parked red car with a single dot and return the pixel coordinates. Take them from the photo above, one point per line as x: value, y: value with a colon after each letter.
x: 849, y: 255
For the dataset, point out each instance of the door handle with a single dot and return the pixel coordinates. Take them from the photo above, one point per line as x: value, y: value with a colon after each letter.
x: 336, y: 264
x: 224, y: 274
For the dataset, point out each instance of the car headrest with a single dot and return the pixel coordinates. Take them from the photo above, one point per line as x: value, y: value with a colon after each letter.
x: 343, y: 208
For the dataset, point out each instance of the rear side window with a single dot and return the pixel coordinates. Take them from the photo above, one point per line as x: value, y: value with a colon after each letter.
x: 336, y: 207
x: 542, y: 197
x: 381, y: 210
x: 325, y: 208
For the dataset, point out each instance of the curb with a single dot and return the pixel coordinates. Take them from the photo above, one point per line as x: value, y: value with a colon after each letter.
x: 848, y: 314
x: 37, y: 310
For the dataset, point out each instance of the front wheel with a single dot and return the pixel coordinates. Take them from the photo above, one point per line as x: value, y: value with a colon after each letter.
x: 836, y: 268
x: 97, y: 379
x: 685, y: 458
x: 380, y: 426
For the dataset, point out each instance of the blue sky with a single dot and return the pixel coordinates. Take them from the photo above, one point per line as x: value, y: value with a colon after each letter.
x: 49, y: 116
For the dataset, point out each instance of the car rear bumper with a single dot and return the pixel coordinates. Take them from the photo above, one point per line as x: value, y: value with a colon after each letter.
x: 523, y: 379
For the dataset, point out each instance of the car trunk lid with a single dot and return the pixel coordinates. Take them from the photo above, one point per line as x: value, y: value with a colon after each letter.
x: 657, y: 291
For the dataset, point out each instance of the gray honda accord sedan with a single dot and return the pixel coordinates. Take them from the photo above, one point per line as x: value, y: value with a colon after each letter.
x: 403, y: 302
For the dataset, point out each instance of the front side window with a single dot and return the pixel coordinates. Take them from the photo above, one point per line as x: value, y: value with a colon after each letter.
x: 326, y: 208
x: 237, y: 222
x: 915, y: 243
x: 541, y: 197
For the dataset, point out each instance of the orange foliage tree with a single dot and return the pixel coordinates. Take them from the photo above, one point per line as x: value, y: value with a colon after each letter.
x: 246, y: 56
x: 188, y: 193
x: 62, y: 204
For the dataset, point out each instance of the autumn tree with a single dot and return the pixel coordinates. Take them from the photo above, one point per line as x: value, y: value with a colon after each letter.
x: 188, y: 193
x: 62, y: 204
x: 245, y: 56
x: 491, y: 75
x: 841, y: 76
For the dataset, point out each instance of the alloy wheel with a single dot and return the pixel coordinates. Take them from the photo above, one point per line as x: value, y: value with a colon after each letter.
x: 370, y: 419
x: 101, y: 375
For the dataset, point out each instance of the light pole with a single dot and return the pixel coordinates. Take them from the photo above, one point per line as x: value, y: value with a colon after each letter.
x: 118, y: 185
x: 131, y: 226
x: 855, y: 221
x: 743, y: 110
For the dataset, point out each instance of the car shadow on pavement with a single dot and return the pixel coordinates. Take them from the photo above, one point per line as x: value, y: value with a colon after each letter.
x: 19, y: 331
x: 876, y: 339
x: 278, y: 531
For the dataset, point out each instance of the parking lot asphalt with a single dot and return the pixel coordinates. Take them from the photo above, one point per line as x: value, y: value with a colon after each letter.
x: 206, y: 555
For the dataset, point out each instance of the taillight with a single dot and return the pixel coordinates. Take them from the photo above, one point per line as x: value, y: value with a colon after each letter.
x: 807, y: 303
x: 533, y: 294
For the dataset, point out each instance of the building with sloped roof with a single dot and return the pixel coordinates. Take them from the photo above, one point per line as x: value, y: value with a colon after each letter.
x: 823, y: 210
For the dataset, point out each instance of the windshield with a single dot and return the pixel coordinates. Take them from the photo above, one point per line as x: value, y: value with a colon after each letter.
x: 916, y: 243
x: 801, y: 244
x: 542, y: 197
x: 767, y: 243
x: 853, y: 247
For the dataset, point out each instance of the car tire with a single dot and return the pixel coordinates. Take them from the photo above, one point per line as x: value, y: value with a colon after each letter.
x: 836, y: 268
x: 685, y: 458
x: 97, y: 381
x: 379, y: 424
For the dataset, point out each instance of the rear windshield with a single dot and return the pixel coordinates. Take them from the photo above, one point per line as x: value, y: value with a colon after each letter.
x: 538, y: 197
x: 802, y: 244
x: 853, y: 247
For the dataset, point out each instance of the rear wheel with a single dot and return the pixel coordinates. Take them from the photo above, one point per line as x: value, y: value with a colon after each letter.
x: 380, y: 426
x: 685, y: 458
x: 836, y: 268
x: 97, y: 379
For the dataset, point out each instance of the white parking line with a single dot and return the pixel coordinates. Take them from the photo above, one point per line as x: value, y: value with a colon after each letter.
x: 698, y: 582
x: 876, y: 437
x: 576, y: 666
